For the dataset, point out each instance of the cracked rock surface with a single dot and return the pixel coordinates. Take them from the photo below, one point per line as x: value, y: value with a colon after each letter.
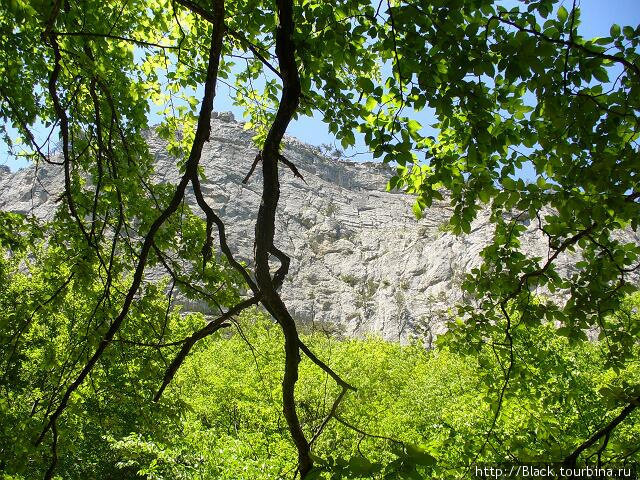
x: 360, y: 261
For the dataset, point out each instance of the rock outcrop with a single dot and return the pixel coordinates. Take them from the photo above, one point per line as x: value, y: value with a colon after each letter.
x: 360, y: 261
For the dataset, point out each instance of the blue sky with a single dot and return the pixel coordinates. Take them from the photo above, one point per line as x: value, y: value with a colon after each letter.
x: 597, y: 17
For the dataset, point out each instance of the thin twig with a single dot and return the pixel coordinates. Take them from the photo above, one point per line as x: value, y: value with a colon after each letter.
x: 205, y: 331
x: 113, y: 37
x: 201, y: 136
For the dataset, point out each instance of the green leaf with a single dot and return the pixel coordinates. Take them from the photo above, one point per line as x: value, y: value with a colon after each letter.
x: 371, y: 104
x: 614, y: 31
x: 419, y: 456
x: 417, y: 210
x: 562, y: 13
x: 414, y: 127
x: 362, y: 466
x: 601, y: 75
x: 508, y: 183
x: 314, y: 474
x: 366, y: 85
x: 501, y: 198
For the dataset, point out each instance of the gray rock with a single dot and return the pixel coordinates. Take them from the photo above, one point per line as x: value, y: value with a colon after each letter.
x: 360, y: 261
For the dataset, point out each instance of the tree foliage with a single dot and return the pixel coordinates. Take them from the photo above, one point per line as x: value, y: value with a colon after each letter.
x: 510, y: 88
x: 416, y: 413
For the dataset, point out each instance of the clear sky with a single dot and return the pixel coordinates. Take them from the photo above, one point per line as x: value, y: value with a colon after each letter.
x: 597, y: 16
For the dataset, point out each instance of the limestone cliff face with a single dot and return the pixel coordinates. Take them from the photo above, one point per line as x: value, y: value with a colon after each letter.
x: 360, y: 261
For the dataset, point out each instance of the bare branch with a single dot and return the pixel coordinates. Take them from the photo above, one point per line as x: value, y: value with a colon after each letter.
x: 332, y: 413
x: 255, y: 51
x: 222, y: 236
x: 202, y: 12
x: 366, y: 434
x: 566, y: 55
x: 325, y: 367
x: 542, y: 270
x: 253, y: 167
x: 54, y: 454
x: 265, y: 225
x: 292, y: 167
x: 209, y: 329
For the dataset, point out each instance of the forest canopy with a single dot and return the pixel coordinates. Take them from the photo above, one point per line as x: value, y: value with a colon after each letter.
x: 90, y: 352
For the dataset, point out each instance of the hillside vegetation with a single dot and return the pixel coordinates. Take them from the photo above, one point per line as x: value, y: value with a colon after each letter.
x: 417, y: 413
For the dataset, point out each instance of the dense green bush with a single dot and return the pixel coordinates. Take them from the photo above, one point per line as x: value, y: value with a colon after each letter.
x: 416, y: 413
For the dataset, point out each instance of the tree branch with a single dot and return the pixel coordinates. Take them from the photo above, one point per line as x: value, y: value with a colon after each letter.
x: 113, y: 37
x: 253, y: 167
x: 198, y: 10
x: 571, y: 459
x: 201, y: 136
x: 366, y: 434
x: 222, y: 237
x: 572, y: 44
x: 188, y: 343
x: 292, y: 167
x: 54, y: 454
x: 332, y: 413
x: 325, y: 367
x: 265, y: 225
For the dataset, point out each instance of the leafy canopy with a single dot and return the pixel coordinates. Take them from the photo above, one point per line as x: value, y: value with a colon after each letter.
x: 509, y: 87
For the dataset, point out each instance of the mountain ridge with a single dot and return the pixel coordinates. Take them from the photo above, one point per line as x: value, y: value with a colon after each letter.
x: 361, y: 262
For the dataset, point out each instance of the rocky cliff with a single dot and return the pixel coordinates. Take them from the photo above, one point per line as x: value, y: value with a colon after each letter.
x: 360, y: 261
